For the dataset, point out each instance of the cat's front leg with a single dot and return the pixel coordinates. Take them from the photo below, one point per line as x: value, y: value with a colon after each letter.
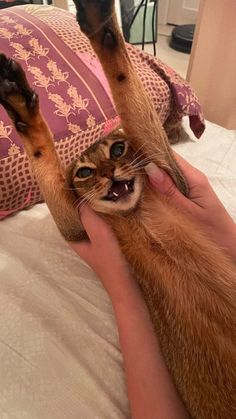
x: 139, y: 118
x: 22, y: 105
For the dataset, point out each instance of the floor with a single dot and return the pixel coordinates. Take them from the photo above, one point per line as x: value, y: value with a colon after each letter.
x: 177, y: 60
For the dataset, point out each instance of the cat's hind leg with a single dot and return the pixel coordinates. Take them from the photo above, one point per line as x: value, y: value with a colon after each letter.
x: 139, y: 118
x: 22, y: 105
x: 175, y: 132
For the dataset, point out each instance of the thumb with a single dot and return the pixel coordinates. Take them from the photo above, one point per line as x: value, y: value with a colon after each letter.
x: 161, y: 181
x: 94, y: 225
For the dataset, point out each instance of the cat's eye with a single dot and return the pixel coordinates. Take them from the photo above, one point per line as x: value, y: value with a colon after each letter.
x: 84, y: 172
x: 117, y: 149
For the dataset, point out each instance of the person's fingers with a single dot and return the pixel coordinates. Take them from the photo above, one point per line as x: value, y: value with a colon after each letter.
x: 161, y: 181
x: 94, y: 225
x: 193, y: 176
x: 184, y: 164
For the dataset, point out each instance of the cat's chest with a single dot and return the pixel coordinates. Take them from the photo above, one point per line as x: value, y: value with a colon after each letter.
x: 153, y: 211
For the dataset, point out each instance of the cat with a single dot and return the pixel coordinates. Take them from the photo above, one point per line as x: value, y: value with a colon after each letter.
x: 109, y: 175
x: 189, y: 284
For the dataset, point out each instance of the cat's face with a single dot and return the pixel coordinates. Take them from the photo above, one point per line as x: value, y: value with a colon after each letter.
x: 109, y: 175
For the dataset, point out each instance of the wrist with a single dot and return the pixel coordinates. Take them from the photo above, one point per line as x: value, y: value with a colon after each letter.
x: 122, y: 288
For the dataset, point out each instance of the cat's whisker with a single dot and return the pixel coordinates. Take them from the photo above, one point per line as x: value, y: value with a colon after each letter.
x: 136, y: 172
x: 70, y: 189
x: 140, y: 148
x: 140, y: 156
x: 88, y: 197
x: 143, y: 163
x: 76, y: 203
x: 147, y: 157
x: 143, y: 145
x: 85, y: 198
x: 150, y: 157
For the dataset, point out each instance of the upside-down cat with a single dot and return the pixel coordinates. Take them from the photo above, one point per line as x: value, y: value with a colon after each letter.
x: 188, y: 283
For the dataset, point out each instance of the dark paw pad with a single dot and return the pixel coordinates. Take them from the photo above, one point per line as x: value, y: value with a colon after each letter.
x: 7, y: 88
x: 21, y: 126
x: 16, y: 96
x: 109, y: 39
x: 10, y: 70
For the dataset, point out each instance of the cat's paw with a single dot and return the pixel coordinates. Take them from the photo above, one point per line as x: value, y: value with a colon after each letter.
x: 93, y: 14
x: 16, y: 95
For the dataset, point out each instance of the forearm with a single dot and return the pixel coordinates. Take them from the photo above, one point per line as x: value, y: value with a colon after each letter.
x: 150, y: 388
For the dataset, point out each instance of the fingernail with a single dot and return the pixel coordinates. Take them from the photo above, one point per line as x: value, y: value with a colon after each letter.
x: 155, y: 174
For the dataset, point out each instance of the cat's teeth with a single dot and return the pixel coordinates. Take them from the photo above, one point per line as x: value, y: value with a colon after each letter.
x: 115, y: 194
x: 126, y: 187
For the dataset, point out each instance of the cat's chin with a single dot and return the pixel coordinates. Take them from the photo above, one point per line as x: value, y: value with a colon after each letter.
x: 123, y: 205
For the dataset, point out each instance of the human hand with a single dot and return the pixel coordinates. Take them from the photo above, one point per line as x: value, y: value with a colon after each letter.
x: 202, y: 205
x: 102, y: 252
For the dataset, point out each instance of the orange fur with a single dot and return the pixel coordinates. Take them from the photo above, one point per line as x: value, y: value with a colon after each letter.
x: 189, y: 284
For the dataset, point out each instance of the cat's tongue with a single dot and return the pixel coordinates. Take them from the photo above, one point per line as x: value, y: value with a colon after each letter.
x: 119, y: 189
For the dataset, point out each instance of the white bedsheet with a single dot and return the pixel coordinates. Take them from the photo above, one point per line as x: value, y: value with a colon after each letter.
x: 59, y: 350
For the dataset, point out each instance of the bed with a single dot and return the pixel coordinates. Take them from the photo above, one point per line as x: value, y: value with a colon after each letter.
x: 59, y: 355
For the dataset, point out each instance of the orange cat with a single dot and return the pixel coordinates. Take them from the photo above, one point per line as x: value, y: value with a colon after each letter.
x: 189, y: 284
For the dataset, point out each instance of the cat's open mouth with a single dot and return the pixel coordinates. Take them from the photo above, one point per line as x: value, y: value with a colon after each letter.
x: 119, y: 189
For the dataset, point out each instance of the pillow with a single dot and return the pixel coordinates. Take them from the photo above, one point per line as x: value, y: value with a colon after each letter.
x: 74, y: 94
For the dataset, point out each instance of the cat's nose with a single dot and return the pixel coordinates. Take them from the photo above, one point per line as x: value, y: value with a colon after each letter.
x: 107, y: 171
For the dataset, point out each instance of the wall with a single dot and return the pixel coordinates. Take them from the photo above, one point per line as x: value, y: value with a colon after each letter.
x: 212, y: 67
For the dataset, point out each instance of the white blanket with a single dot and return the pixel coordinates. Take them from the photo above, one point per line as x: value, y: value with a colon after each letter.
x: 59, y: 349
